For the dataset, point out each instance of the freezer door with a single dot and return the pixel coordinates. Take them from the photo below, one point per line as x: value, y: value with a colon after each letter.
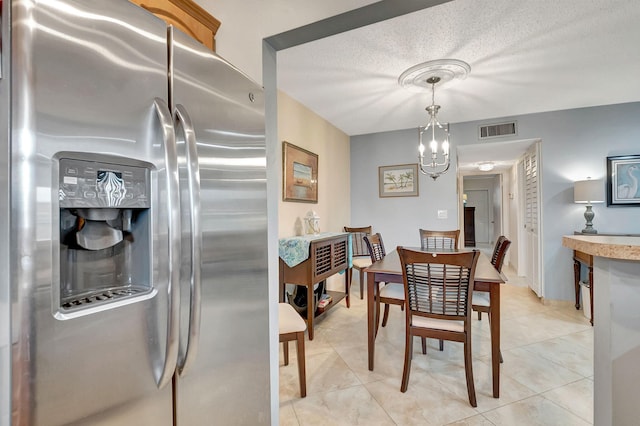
x: 85, y: 77
x: 228, y: 378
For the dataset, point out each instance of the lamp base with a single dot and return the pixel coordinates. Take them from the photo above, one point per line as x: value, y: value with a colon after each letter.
x: 588, y: 216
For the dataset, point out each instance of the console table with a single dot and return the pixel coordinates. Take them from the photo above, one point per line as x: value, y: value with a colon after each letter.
x: 581, y: 258
x: 308, y: 260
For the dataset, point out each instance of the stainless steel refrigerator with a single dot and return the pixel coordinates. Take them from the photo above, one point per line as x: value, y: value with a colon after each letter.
x: 133, y: 225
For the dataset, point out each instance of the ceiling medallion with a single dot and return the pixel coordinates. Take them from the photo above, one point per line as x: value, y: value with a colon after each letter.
x: 417, y: 77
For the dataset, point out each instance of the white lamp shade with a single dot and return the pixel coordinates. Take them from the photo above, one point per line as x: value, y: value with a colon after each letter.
x: 588, y: 191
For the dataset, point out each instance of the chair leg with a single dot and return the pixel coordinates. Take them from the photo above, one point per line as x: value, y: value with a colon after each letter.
x: 441, y: 345
x: 301, y: 363
x: 408, y: 351
x: 479, y: 316
x: 424, y: 346
x: 377, y: 316
x: 285, y: 347
x: 468, y: 369
x: 361, y: 273
x: 385, y: 317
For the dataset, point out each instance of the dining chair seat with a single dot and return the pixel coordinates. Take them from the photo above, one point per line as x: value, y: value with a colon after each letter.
x: 481, y: 298
x: 437, y: 324
x: 291, y: 326
x: 392, y: 291
x: 289, y: 320
x: 361, y: 262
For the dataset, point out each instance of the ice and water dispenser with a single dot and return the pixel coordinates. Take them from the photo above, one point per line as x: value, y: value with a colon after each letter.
x: 105, y: 240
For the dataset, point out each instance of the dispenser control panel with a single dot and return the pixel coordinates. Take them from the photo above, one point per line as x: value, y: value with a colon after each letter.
x: 86, y: 184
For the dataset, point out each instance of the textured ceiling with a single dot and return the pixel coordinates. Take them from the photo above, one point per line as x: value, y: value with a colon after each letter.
x: 525, y: 56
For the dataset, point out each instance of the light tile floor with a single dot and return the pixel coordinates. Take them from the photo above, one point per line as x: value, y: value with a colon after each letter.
x: 546, y: 378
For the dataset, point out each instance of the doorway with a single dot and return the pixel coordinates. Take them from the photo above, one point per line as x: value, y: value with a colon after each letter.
x: 504, y: 191
x: 479, y: 198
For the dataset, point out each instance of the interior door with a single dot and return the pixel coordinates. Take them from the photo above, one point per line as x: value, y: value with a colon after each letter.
x: 531, y: 211
x: 496, y: 207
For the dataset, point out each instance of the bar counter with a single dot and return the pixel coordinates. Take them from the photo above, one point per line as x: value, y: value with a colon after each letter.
x: 616, y: 270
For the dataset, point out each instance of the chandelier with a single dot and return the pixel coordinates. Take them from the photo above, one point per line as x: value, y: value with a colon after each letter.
x: 434, y: 134
x: 434, y: 167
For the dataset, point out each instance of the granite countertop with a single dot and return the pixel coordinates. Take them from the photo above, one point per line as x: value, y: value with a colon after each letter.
x: 615, y: 247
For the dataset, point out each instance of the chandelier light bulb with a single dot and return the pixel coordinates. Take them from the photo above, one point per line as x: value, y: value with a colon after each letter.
x: 445, y: 147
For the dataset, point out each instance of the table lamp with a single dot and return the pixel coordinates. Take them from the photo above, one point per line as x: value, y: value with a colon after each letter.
x: 589, y: 192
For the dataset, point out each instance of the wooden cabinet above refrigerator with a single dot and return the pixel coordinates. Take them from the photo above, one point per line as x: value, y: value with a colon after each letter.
x: 187, y: 16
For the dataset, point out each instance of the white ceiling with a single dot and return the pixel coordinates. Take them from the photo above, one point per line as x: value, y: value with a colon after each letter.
x: 525, y: 56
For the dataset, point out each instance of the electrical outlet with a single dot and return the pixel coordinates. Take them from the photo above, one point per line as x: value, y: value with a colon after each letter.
x: 442, y: 214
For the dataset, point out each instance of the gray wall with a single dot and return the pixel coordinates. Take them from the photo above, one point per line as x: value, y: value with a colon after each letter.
x: 399, y: 218
x: 575, y: 144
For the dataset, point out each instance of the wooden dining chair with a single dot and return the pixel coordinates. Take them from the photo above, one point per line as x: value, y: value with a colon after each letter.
x: 292, y: 327
x: 361, y: 258
x: 433, y: 240
x: 438, y: 289
x: 481, y: 302
x: 391, y: 293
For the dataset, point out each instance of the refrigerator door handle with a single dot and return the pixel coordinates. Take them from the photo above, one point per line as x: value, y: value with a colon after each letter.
x: 173, y: 212
x: 193, y: 170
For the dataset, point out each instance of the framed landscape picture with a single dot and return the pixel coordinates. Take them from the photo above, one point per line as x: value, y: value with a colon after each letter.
x: 623, y: 174
x: 299, y: 174
x: 398, y: 181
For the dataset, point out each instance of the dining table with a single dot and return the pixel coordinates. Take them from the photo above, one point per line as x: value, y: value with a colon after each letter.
x: 487, y: 279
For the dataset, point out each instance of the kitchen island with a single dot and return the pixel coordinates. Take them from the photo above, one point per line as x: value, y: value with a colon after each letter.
x: 616, y: 270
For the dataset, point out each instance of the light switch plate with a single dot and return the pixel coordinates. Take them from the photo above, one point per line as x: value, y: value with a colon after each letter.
x: 442, y: 214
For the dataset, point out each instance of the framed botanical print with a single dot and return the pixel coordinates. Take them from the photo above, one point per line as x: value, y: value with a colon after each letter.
x: 398, y: 181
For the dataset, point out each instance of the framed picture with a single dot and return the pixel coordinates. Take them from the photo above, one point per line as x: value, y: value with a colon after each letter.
x: 299, y: 174
x: 398, y: 181
x: 623, y: 174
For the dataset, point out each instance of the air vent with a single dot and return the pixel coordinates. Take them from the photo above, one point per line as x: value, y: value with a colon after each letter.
x: 497, y: 130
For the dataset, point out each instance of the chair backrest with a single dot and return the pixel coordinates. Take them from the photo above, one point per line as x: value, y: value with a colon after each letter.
x: 499, y: 252
x: 439, y: 239
x: 375, y: 246
x: 359, y: 248
x: 438, y: 285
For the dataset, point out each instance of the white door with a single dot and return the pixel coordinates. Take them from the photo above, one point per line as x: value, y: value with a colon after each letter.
x: 496, y: 207
x: 531, y: 167
x: 479, y: 198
